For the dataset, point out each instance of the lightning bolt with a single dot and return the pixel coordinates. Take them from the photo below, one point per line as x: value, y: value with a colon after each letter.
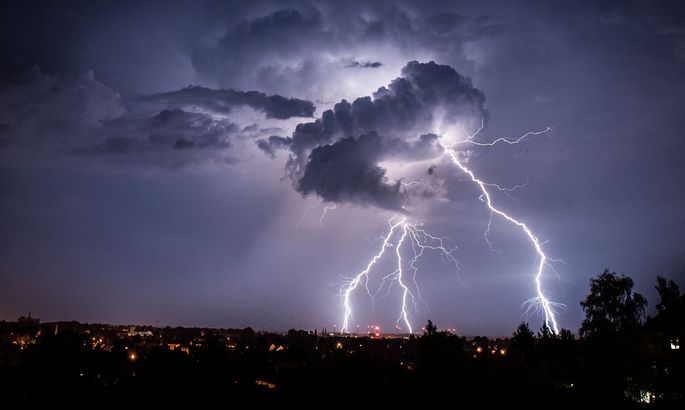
x: 400, y: 229
x: 352, y: 284
x: 405, y: 290
x: 541, y: 301
x: 401, y: 235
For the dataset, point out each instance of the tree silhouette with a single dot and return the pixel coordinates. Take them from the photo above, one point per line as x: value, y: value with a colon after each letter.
x: 431, y: 329
x: 545, y: 333
x: 611, y: 308
x: 669, y: 293
x: 438, y: 351
x: 523, y: 338
x: 566, y: 335
x: 671, y: 308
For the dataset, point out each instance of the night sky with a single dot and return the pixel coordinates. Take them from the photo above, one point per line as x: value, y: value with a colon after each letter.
x: 169, y: 163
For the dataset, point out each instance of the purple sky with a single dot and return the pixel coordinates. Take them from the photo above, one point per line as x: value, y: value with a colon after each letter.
x: 170, y: 162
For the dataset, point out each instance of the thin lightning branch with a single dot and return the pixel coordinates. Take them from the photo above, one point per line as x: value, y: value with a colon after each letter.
x: 541, y: 300
x: 325, y: 211
x: 508, y: 190
x: 510, y: 141
x: 418, y: 252
x: 304, y: 215
x: 486, y: 233
x: 326, y: 208
x: 424, y: 240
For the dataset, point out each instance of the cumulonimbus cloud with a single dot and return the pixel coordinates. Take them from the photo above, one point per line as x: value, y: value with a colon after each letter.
x: 337, y: 156
x: 319, y: 52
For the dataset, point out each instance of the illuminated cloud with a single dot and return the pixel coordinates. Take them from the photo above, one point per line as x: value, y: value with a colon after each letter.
x: 327, y: 53
x: 336, y: 157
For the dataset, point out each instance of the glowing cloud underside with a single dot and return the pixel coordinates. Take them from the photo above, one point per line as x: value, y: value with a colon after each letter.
x: 400, y: 230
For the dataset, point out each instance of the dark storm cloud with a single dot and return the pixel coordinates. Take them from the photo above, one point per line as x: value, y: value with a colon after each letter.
x: 222, y: 101
x: 80, y: 115
x: 357, y: 64
x: 292, y: 50
x: 39, y: 109
x: 272, y: 144
x: 407, y: 107
x: 346, y: 171
x: 172, y: 138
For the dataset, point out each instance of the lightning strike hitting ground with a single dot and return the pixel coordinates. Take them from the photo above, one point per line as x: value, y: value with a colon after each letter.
x: 420, y: 240
x: 541, y: 301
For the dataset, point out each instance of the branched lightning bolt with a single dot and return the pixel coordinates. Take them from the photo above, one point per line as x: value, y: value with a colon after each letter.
x: 347, y: 288
x: 540, y: 301
x: 510, y: 141
x: 420, y: 240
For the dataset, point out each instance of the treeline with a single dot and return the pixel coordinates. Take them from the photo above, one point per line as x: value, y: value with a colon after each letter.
x: 620, y: 359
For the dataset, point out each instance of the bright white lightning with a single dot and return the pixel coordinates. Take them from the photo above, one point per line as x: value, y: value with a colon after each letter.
x: 541, y: 300
x: 420, y: 240
x: 353, y: 283
x: 405, y: 289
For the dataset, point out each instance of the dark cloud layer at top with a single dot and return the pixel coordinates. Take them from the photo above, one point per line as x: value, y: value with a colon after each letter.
x: 284, y: 32
x: 295, y: 49
x: 409, y: 106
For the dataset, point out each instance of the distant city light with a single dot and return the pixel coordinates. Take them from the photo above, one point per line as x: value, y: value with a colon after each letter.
x: 266, y: 384
x: 675, y: 344
x: 647, y: 397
